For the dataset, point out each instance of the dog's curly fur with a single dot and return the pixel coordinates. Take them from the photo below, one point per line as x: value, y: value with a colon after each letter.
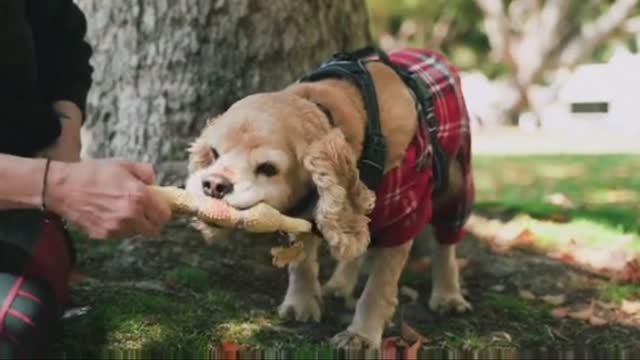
x: 288, y: 130
x: 344, y: 201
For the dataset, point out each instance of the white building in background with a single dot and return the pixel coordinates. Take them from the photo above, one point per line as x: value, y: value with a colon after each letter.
x: 591, y: 97
x: 600, y: 96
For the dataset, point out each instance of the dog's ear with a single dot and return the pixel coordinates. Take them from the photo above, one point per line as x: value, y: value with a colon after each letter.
x: 344, y: 200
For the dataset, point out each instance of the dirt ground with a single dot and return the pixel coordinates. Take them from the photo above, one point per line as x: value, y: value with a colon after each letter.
x: 175, y: 292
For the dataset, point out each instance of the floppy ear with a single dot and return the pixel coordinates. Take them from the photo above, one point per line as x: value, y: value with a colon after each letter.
x: 344, y: 200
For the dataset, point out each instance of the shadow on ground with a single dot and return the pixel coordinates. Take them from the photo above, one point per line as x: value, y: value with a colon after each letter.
x: 178, y: 294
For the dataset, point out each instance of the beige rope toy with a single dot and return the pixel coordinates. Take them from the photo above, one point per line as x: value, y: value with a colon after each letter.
x: 260, y: 218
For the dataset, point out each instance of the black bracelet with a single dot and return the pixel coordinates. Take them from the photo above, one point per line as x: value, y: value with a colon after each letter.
x: 43, y: 205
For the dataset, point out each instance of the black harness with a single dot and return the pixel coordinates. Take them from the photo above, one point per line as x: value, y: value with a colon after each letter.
x: 352, y: 66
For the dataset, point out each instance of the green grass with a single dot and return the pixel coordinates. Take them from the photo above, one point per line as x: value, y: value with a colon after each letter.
x: 190, y: 277
x: 156, y: 322
x: 616, y: 292
x: 604, y: 190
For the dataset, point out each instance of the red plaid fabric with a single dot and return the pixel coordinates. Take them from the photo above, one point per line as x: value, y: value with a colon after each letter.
x: 403, y: 201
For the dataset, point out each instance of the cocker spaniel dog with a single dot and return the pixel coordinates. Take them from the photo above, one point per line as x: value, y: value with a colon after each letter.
x: 306, y: 149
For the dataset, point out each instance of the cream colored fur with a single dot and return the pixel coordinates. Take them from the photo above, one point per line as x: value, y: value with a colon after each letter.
x: 288, y: 130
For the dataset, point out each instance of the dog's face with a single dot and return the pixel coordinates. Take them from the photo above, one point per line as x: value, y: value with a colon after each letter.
x: 251, y: 154
x: 275, y: 148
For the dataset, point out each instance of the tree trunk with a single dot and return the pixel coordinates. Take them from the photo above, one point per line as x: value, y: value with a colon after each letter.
x: 162, y: 67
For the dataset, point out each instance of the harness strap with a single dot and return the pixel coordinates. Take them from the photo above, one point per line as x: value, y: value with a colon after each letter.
x: 352, y: 66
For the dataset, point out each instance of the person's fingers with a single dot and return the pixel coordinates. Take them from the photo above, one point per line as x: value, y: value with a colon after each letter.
x: 145, y: 227
x: 143, y: 172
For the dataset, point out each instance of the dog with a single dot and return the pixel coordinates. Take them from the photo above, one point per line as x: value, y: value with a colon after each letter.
x: 301, y: 150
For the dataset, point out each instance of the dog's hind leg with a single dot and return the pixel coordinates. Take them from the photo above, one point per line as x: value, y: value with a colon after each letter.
x: 446, y: 295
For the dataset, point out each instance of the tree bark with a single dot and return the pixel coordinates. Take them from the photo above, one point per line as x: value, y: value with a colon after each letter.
x: 162, y: 67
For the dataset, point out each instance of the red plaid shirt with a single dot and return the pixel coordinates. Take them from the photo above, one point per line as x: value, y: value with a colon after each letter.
x: 403, y: 201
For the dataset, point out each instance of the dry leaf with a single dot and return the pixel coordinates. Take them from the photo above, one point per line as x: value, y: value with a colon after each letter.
x: 560, y: 217
x: 555, y: 300
x: 557, y: 333
x: 409, y: 334
x: 584, y: 314
x: 421, y: 265
x: 526, y: 294
x: 560, y: 199
x: 389, y: 347
x: 560, y: 312
x: 412, y: 294
x: 597, y: 321
x: 282, y: 256
x: 630, y: 307
x: 526, y: 237
x: 605, y: 305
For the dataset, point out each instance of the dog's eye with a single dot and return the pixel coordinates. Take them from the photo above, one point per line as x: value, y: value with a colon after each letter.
x: 214, y: 153
x: 267, y: 169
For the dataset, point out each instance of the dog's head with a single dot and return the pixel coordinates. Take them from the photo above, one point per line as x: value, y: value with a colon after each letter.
x: 277, y: 148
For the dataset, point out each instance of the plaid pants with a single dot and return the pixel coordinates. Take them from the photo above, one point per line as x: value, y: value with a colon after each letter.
x: 33, y: 291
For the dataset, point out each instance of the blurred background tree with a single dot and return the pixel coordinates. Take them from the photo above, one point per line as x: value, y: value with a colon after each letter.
x: 523, y: 42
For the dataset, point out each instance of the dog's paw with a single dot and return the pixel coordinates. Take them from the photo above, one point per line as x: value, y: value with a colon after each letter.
x: 301, y: 306
x: 449, y: 302
x: 350, y: 340
x: 342, y: 290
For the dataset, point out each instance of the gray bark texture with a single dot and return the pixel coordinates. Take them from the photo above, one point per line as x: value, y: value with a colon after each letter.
x: 163, y: 66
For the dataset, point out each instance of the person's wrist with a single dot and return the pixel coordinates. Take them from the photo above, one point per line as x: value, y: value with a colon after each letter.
x: 54, y: 192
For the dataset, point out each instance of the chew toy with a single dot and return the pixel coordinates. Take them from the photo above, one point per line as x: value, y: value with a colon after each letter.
x: 260, y: 218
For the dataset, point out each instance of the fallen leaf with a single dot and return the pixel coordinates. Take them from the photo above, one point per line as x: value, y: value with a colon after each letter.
x: 498, y: 288
x: 526, y: 294
x: 559, y: 334
x: 597, y: 321
x: 75, y: 312
x: 584, y: 314
x: 75, y: 278
x: 526, y: 237
x: 560, y: 199
x: 501, y: 336
x: 555, y: 300
x: 560, y: 217
x: 412, y: 294
x: 389, y: 347
x: 421, y: 265
x: 630, y: 307
x: 409, y: 334
x: 605, y: 305
x: 560, y: 312
x: 230, y: 350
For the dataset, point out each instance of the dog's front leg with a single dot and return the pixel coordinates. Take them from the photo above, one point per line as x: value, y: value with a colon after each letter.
x: 378, y: 300
x: 303, y: 301
x: 446, y: 295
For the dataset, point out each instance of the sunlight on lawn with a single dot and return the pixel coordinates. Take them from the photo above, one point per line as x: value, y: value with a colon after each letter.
x: 586, y: 200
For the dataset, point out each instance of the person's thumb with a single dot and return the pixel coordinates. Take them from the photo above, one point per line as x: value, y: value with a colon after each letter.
x: 143, y: 172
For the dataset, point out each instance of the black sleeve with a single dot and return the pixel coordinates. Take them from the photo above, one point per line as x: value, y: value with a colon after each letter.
x: 27, y: 121
x: 63, y: 55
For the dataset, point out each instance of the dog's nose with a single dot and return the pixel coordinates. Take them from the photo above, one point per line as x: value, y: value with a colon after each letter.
x: 217, y: 186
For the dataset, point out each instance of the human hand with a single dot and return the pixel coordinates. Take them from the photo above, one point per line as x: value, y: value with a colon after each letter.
x: 106, y: 198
